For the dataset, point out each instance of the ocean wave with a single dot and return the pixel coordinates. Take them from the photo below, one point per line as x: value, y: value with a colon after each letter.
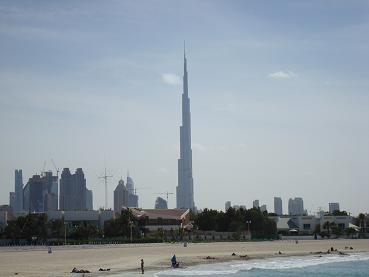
x: 278, y: 263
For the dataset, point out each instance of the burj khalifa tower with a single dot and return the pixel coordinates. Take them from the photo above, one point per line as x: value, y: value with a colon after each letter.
x: 185, y: 195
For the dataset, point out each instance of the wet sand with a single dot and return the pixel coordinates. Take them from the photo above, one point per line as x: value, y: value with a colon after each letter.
x: 35, y: 261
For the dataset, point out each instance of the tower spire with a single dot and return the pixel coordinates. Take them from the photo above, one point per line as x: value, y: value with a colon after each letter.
x: 184, y: 62
x: 185, y: 196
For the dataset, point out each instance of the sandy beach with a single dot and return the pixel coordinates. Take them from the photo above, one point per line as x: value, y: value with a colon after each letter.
x: 29, y: 261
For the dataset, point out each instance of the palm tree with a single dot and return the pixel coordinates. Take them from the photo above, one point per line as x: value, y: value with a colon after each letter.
x: 328, y: 225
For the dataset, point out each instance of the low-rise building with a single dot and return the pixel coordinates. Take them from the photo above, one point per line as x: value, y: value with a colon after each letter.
x: 342, y: 222
x: 3, y: 220
x: 76, y: 218
x: 307, y: 225
x: 164, y: 219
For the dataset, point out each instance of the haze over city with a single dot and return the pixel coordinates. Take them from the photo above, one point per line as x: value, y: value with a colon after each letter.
x: 279, y: 97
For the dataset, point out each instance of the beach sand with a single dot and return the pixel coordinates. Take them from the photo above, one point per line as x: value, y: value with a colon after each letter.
x: 35, y: 261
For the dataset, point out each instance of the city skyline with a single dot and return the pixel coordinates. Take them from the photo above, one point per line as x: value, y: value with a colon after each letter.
x: 279, y: 93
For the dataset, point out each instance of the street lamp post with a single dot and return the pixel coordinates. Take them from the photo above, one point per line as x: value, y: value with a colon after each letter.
x: 65, y: 233
x: 248, y: 222
x: 131, y: 230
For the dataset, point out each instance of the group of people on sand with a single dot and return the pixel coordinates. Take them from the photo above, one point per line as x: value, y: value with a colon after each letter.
x: 173, y: 261
x: 75, y: 270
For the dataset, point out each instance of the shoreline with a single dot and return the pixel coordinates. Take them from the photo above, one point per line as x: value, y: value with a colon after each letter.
x: 226, y: 259
x: 124, y: 259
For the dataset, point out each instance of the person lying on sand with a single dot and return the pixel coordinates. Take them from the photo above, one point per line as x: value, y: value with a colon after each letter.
x: 75, y: 270
x: 104, y: 269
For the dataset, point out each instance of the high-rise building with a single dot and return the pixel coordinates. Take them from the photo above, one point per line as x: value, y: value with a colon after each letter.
x: 89, y: 200
x: 132, y: 196
x: 12, y: 200
x: 263, y: 208
x: 34, y: 199
x: 130, y: 185
x: 227, y: 205
x: 160, y: 203
x: 72, y: 190
x: 278, y: 210
x: 334, y: 207
x: 255, y: 204
x: 50, y: 191
x: 296, y: 206
x: 120, y: 197
x: 18, y: 190
x: 41, y: 193
x: 184, y: 191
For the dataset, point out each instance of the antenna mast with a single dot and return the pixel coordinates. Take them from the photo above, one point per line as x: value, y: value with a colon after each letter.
x: 105, y: 177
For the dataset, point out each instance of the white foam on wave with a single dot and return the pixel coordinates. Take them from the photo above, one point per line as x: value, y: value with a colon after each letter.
x: 279, y: 263
x: 299, y: 262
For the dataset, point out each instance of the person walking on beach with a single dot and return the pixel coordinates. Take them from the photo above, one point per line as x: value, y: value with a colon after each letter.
x: 142, y: 266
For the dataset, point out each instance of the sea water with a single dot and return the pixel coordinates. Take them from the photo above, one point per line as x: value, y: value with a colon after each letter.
x: 326, y: 265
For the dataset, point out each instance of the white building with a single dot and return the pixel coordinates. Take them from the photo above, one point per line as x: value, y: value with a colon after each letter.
x: 307, y: 224
x: 341, y: 222
x: 73, y: 218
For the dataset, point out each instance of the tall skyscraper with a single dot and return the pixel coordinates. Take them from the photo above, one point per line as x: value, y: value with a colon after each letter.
x: 255, y: 204
x: 40, y: 194
x: 132, y: 197
x: 34, y: 199
x: 72, y: 190
x: 120, y: 197
x: 185, y: 194
x: 334, y: 207
x: 278, y: 210
x: 12, y: 200
x: 89, y: 200
x: 50, y: 191
x: 18, y: 189
x: 227, y: 205
x: 296, y: 206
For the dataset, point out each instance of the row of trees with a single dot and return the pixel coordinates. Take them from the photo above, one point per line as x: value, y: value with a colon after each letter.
x: 36, y: 227
x: 237, y: 221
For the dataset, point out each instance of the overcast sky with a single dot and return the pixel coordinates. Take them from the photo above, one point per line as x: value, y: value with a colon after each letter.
x: 279, y: 96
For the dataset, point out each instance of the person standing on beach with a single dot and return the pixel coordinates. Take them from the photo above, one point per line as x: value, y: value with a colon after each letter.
x: 142, y: 266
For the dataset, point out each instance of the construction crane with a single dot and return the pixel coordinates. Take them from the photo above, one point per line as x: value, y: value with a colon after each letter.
x: 56, y: 168
x: 139, y: 188
x: 105, y: 177
x: 43, y: 169
x: 167, y: 193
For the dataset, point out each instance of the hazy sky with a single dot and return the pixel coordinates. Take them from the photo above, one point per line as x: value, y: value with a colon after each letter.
x: 279, y: 96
